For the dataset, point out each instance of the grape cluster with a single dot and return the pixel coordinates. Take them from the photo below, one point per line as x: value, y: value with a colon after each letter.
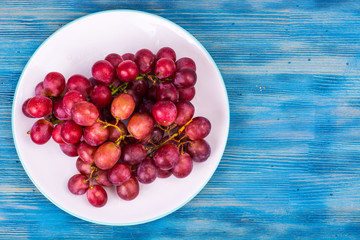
x: 131, y: 122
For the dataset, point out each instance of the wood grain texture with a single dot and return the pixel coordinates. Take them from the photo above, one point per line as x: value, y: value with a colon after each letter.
x: 291, y: 166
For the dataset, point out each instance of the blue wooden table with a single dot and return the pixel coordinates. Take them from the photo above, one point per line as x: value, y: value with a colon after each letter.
x: 291, y: 168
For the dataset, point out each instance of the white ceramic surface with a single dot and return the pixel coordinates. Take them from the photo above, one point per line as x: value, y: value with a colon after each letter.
x: 72, y: 50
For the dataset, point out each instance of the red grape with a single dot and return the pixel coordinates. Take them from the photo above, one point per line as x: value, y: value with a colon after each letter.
x: 184, y: 166
x: 101, y: 96
x: 107, y: 155
x: 133, y: 153
x: 86, y: 152
x: 145, y: 60
x: 79, y: 83
x: 114, y: 58
x: 199, y: 150
x: 54, y: 84
x: 78, y: 184
x: 186, y: 93
x: 185, y: 62
x: 185, y: 112
x: 84, y: 113
x: 166, y: 52
x: 102, y: 179
x: 114, y: 133
x: 140, y: 125
x: 198, y: 128
x: 140, y: 86
x: 122, y: 106
x: 146, y: 171
x: 103, y: 72
x: 39, y: 106
x: 164, y: 68
x: 129, y: 190
x: 69, y: 149
x: 119, y: 174
x: 163, y: 173
x: 185, y: 78
x: 59, y: 111
x: 71, y: 132
x: 39, y: 89
x: 164, y: 112
x: 25, y: 108
x: 56, y: 133
x: 128, y: 56
x: 97, y: 196
x: 127, y: 71
x: 166, y: 157
x: 41, y: 131
x: 167, y: 91
x: 96, y: 134
x: 83, y: 167
x: 70, y: 98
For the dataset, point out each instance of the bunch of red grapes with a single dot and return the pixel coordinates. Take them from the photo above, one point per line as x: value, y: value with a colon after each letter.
x: 131, y: 122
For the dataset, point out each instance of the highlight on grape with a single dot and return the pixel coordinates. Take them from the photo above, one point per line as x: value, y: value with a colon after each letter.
x: 131, y: 122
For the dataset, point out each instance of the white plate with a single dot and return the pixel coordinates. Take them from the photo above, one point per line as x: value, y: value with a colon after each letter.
x: 73, y: 49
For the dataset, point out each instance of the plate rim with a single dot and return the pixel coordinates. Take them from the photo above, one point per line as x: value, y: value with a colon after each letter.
x: 66, y: 26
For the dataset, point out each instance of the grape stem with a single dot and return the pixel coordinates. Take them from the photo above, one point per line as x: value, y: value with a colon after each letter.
x: 106, y: 124
x: 121, y: 88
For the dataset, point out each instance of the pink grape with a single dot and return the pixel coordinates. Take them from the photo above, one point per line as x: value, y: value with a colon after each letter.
x: 84, y: 113
x: 119, y: 174
x: 79, y: 83
x: 198, y: 128
x: 146, y: 171
x: 71, y: 132
x: 166, y: 52
x: 70, y: 98
x: 183, y: 167
x: 164, y: 112
x: 54, y: 84
x: 103, y: 72
x: 78, y: 184
x: 129, y: 190
x: 107, y: 155
x: 140, y: 125
x: 39, y: 106
x: 97, y: 196
x: 96, y: 134
x: 122, y: 106
x: 166, y: 157
x: 40, y: 132
x: 199, y: 150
